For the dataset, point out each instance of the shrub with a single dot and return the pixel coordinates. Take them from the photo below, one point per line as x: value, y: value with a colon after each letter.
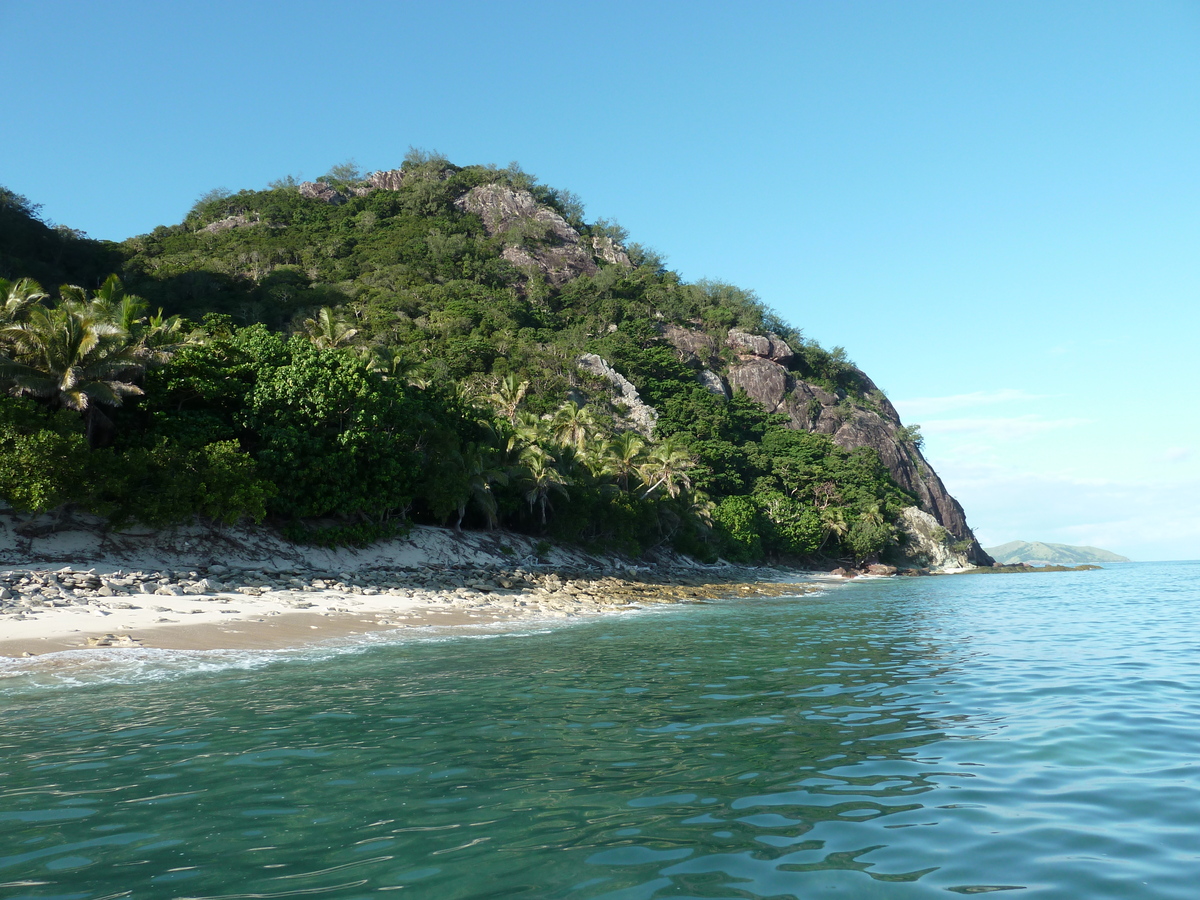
x: 40, y: 471
x: 868, y: 539
x: 168, y: 483
x: 736, y: 522
x: 792, y: 527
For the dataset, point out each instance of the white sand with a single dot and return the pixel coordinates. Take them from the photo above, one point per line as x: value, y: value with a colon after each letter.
x: 433, y: 576
x: 213, y: 621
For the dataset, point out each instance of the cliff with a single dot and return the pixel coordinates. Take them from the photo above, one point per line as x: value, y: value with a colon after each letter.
x: 765, y: 368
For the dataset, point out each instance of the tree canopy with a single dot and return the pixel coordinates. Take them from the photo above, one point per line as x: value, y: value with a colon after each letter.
x: 348, y: 363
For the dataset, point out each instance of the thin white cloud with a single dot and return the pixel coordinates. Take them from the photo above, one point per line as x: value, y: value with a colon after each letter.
x: 1177, y: 454
x: 1142, y: 520
x: 1000, y: 428
x: 936, y: 406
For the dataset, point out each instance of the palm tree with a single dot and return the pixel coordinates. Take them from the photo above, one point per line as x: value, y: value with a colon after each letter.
x: 110, y: 303
x: 529, y: 430
x: 69, y: 358
x: 701, y: 507
x: 16, y: 299
x: 666, y: 466
x: 872, y: 516
x: 622, y: 456
x: 833, y: 523
x: 161, y: 338
x: 539, y: 479
x: 85, y: 353
x: 574, y: 425
x: 389, y: 362
x: 156, y: 337
x: 328, y: 331
x: 479, y: 475
x: 573, y: 465
x: 508, y: 397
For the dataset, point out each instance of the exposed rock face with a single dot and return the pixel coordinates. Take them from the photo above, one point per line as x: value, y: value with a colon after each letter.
x: 543, y: 240
x: 711, y: 381
x: 228, y: 222
x: 912, y: 472
x: 928, y: 543
x: 851, y: 423
x: 641, y: 416
x: 557, y: 264
x: 700, y: 351
x: 694, y: 347
x: 611, y: 252
x: 390, y: 180
x: 765, y: 381
x: 771, y: 347
x: 319, y: 190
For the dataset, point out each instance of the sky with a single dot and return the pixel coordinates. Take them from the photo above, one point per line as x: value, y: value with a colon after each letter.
x: 993, y: 206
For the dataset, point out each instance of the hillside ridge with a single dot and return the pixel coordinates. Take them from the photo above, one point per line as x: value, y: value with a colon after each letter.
x: 1042, y: 552
x: 482, y: 280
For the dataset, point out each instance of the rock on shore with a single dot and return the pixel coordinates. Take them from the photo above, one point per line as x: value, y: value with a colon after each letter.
x: 45, y: 603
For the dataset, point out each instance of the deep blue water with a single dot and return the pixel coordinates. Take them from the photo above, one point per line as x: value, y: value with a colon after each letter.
x: 894, y: 738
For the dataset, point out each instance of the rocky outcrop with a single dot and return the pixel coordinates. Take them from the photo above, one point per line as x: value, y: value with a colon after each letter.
x: 228, y: 222
x: 558, y: 265
x: 695, y: 347
x: 642, y: 417
x: 866, y: 428
x: 390, y: 180
x: 771, y: 347
x: 765, y: 381
x: 319, y: 190
x: 713, y: 382
x: 850, y: 422
x: 539, y: 240
x: 610, y: 251
x: 929, y: 544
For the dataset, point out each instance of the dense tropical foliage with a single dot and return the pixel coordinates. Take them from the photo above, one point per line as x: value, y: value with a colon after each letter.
x: 346, y: 368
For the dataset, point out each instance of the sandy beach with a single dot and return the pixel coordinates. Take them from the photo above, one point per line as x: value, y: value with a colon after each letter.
x: 70, y: 582
x: 43, y: 610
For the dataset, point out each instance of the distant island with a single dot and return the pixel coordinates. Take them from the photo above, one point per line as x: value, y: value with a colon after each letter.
x: 1040, y: 553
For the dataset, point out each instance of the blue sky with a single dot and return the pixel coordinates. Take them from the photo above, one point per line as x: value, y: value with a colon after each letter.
x: 995, y: 207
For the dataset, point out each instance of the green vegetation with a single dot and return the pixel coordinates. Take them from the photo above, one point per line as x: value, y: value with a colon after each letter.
x: 912, y: 434
x: 343, y: 369
x: 50, y: 254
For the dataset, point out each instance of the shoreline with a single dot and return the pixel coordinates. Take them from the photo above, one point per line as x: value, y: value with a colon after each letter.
x: 215, y: 607
x: 69, y: 582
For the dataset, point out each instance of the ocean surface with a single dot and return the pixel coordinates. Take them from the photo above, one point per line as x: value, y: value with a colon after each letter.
x: 902, y: 738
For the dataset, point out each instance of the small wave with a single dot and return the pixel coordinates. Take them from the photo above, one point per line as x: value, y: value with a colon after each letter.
x: 69, y: 669
x: 80, y: 668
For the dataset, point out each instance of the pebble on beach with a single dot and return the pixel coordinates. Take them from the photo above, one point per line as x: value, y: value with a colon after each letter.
x: 390, y: 593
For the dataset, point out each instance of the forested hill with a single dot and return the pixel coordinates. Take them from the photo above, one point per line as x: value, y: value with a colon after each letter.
x: 445, y: 344
x: 1042, y: 553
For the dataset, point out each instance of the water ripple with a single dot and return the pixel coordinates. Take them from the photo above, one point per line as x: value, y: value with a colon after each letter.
x: 893, y: 739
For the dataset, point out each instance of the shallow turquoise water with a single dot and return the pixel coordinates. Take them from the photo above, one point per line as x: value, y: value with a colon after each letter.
x: 893, y: 739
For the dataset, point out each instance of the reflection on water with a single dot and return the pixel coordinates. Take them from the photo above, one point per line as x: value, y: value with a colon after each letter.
x: 890, y: 739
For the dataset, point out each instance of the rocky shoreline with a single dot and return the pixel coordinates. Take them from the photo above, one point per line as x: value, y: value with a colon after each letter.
x: 74, y: 606
x: 200, y: 587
